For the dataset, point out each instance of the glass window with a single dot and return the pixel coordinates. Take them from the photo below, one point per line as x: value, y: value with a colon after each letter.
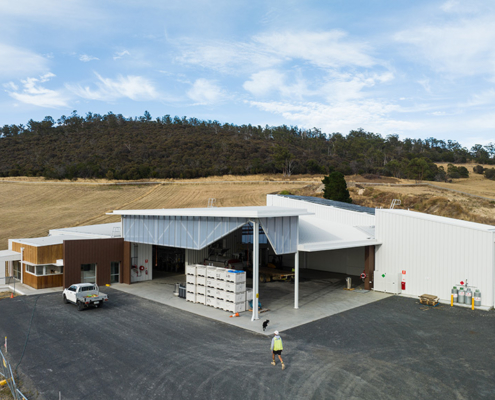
x: 30, y: 268
x: 40, y: 269
x: 88, y: 273
x: 114, y: 272
x: 247, y: 234
x: 17, y: 269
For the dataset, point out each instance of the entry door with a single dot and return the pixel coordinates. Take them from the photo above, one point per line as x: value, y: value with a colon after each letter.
x: 114, y: 272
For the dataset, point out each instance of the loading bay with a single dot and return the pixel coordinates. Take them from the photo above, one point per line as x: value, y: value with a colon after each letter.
x: 135, y: 348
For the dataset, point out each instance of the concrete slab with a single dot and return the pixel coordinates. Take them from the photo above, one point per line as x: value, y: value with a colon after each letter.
x: 26, y: 290
x: 318, y: 298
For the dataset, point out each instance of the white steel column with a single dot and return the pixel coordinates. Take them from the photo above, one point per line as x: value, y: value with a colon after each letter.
x: 256, y: 268
x: 296, y: 281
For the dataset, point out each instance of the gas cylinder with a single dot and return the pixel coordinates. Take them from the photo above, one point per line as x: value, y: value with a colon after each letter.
x: 454, y: 292
x: 477, y: 297
x: 461, y: 297
x: 469, y: 296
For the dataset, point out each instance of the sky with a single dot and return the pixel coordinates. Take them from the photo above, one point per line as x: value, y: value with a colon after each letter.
x: 417, y: 69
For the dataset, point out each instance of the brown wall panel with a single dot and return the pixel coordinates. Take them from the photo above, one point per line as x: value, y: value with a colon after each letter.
x: 91, y: 251
x: 29, y: 279
x: 126, y: 265
x: 30, y: 252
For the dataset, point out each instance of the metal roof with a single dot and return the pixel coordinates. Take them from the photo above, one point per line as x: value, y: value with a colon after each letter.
x: 228, y: 212
x: 53, y: 240
x: 332, y: 203
x: 440, y: 219
x: 316, y: 234
x: 89, y: 230
x: 9, y: 255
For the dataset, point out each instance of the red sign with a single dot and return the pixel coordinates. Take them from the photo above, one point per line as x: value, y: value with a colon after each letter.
x: 403, y: 272
x: 146, y: 261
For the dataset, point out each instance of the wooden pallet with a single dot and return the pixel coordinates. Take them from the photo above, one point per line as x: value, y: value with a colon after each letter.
x: 428, y: 299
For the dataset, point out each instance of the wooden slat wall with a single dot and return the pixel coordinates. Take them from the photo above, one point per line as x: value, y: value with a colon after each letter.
x: 41, y: 282
x: 126, y: 265
x: 91, y: 251
x: 40, y: 255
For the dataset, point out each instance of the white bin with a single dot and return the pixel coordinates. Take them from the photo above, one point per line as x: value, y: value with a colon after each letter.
x: 221, y: 274
x: 191, y: 270
x: 200, y: 270
x: 210, y: 291
x: 200, y: 298
x: 220, y: 284
x: 211, y: 272
x: 220, y: 294
x: 249, y: 294
x: 235, y: 297
x: 191, y: 279
x: 201, y: 290
x: 210, y: 282
x: 235, y: 307
x: 201, y: 280
x: 235, y: 287
x: 191, y: 297
x: 210, y: 301
x: 235, y: 277
x: 219, y: 303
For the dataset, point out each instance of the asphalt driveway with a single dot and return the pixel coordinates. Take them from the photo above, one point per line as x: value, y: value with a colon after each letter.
x: 138, y: 349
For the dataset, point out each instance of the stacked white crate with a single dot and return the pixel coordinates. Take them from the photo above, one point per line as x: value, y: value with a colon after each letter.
x: 235, y: 288
x: 216, y: 287
x: 191, y: 283
x: 249, y: 297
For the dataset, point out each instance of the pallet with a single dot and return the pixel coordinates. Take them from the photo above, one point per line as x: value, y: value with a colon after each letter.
x: 428, y: 299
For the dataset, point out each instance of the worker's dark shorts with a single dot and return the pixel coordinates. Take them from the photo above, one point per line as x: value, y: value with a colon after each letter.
x: 277, y: 352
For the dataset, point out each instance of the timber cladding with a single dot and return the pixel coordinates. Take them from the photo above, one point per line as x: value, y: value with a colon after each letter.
x: 101, y: 252
x: 41, y: 282
x: 40, y: 254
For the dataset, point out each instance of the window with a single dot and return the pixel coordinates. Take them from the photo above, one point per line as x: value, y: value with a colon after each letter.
x: 114, y: 272
x: 40, y: 270
x: 17, y: 269
x: 72, y: 289
x: 88, y: 273
x: 247, y: 234
x: 87, y: 288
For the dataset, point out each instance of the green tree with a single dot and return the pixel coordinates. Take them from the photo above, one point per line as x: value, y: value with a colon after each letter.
x: 336, y: 188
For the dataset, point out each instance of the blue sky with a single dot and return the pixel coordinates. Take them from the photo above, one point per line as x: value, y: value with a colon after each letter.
x: 417, y: 69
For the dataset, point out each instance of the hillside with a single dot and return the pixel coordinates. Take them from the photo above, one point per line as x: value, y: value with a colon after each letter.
x: 33, y: 206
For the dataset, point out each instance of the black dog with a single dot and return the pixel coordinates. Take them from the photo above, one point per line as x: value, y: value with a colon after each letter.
x: 265, y: 324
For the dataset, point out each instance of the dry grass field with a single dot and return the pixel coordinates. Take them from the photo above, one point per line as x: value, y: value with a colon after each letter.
x: 31, y: 206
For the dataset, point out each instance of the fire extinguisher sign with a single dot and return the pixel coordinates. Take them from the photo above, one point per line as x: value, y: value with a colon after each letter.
x: 403, y: 272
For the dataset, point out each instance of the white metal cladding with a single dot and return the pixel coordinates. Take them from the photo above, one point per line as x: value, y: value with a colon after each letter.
x: 435, y: 253
x: 282, y: 233
x: 186, y: 232
x: 327, y: 213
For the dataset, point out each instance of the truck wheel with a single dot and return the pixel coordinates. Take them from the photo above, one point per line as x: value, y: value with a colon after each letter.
x: 65, y: 299
x: 80, y: 306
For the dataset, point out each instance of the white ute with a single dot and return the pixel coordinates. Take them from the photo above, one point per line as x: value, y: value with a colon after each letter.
x: 84, y: 295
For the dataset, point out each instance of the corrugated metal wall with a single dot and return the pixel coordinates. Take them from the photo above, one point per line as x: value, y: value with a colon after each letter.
x: 282, y: 233
x: 435, y: 255
x: 91, y: 251
x: 183, y: 232
x: 327, y: 213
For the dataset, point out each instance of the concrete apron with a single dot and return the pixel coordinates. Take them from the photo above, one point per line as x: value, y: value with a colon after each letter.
x: 317, y: 299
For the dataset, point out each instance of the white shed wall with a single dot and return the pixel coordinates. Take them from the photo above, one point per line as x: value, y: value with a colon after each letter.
x: 327, y: 213
x: 436, y: 255
x: 140, y: 253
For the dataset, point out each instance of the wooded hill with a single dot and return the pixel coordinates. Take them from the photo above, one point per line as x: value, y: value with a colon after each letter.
x: 114, y: 147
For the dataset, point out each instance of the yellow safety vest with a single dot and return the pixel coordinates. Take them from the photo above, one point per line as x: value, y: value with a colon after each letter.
x: 277, y: 344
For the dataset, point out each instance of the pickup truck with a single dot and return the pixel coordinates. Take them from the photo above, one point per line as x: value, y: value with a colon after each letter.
x: 84, y: 295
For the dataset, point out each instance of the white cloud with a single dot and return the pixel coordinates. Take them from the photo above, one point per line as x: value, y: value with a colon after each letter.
x: 133, y: 87
x: 87, y: 58
x: 205, y: 92
x: 372, y: 115
x: 38, y: 95
x: 121, y: 54
x: 461, y: 47
x: 331, y: 49
x: 265, y: 82
x: 17, y: 62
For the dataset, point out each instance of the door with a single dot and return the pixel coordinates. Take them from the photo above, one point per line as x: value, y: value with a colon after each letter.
x: 115, y: 272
